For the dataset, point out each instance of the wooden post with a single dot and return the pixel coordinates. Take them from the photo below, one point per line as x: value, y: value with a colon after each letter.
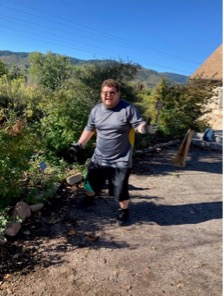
x: 180, y: 159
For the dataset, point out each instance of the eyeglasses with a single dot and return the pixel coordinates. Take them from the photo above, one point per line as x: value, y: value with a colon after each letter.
x: 108, y: 93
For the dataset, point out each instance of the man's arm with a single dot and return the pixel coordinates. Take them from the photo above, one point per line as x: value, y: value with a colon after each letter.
x: 85, y: 137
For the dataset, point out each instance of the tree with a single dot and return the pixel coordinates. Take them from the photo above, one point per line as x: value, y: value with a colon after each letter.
x: 184, y: 106
x: 50, y: 70
x: 92, y: 75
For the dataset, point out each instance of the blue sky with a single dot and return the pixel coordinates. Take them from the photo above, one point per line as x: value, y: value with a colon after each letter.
x: 173, y: 36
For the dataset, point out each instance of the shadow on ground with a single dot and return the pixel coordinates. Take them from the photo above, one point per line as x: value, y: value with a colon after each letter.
x: 198, y: 159
x: 166, y: 215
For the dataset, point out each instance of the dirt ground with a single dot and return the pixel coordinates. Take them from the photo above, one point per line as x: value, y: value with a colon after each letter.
x: 172, y: 245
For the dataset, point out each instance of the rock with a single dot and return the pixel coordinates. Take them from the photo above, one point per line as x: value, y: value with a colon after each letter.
x: 21, y: 210
x: 13, y: 229
x: 36, y: 207
x: 74, y: 179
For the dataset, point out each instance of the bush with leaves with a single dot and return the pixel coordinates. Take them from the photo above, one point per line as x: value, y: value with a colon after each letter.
x: 65, y: 116
x: 17, y: 147
x: 183, y: 106
x: 26, y: 101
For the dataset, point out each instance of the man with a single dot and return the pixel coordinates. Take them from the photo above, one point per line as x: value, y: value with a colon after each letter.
x: 114, y: 121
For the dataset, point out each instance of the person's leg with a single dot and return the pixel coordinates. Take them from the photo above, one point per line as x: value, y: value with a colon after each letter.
x: 120, y: 183
x: 94, y: 179
x: 124, y: 204
x: 93, y: 183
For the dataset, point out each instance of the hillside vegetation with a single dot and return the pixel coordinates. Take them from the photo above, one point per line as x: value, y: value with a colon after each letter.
x: 148, y: 78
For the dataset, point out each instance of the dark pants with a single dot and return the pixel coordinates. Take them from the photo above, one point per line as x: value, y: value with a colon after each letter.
x: 117, y: 179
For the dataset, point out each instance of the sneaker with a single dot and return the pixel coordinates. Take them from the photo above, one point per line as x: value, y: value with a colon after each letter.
x: 85, y: 202
x: 122, y: 217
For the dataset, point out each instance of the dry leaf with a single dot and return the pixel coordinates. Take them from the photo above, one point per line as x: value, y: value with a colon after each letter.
x: 180, y: 285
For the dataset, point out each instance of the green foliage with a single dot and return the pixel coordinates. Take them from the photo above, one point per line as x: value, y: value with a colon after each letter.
x: 92, y: 75
x: 146, y: 104
x: 3, y: 68
x: 41, y: 184
x: 64, y: 119
x: 15, y: 72
x: 183, y: 107
x: 4, y: 219
x: 16, y: 149
x: 26, y: 101
x: 13, y: 90
x: 49, y: 70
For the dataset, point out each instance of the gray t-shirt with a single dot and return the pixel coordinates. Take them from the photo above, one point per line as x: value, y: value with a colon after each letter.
x: 115, y: 133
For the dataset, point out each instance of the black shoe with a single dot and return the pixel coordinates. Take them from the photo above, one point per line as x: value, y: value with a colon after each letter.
x: 122, y: 218
x: 85, y: 202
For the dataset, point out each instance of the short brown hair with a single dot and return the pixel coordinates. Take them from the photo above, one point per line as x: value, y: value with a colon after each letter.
x: 110, y: 83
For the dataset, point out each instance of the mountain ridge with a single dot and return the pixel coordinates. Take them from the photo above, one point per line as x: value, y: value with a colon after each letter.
x: 149, y: 77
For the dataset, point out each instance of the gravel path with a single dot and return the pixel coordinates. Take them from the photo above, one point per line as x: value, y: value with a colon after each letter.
x: 172, y: 246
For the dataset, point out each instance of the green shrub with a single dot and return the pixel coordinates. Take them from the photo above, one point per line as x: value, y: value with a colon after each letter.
x: 18, y: 144
x: 65, y: 117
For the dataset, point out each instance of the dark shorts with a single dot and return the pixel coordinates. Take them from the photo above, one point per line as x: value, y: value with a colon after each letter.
x: 117, y: 180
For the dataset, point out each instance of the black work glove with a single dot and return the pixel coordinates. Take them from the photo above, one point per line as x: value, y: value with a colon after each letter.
x: 74, y: 153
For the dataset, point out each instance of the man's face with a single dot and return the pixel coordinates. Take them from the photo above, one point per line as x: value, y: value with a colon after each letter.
x: 110, y: 96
